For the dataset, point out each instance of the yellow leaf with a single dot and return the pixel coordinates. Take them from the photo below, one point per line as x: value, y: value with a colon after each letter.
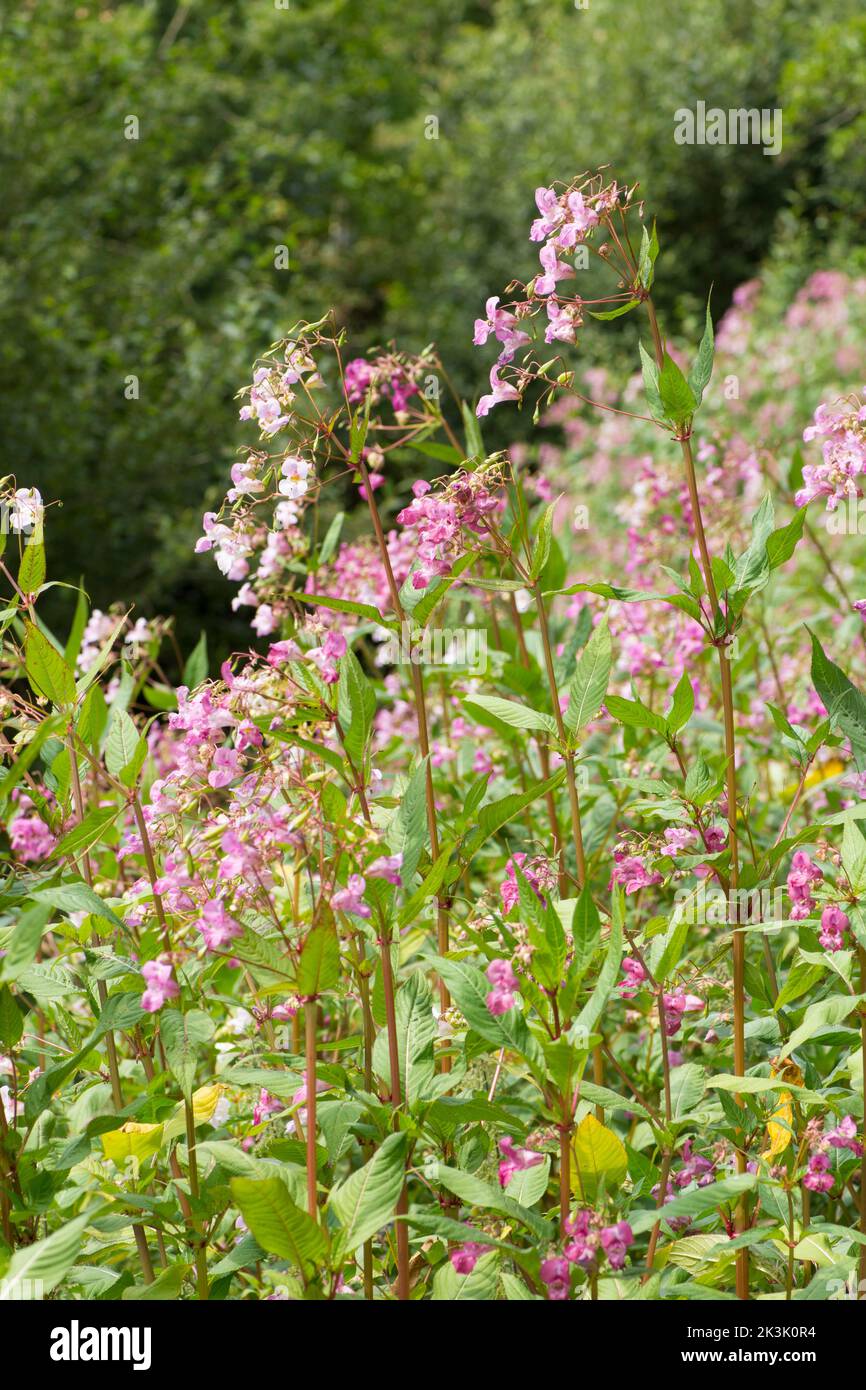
x: 205, y: 1101
x: 780, y: 1124
x: 597, y: 1154
x: 132, y: 1141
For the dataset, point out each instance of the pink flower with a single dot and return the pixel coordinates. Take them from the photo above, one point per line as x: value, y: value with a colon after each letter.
x: 675, y: 1006
x: 161, y: 985
x: 265, y: 1105
x: 349, y: 899
x: 635, y: 974
x: 387, y: 867
x: 553, y: 270
x: 504, y: 981
x: 616, y: 1241
x: 465, y: 1257
x: 631, y: 873
x: 556, y: 1275
x: 834, y: 924
x: 844, y: 1136
x: 818, y: 1178
x: 801, y: 875
x: 216, y: 926
x: 500, y: 391
x: 551, y: 214
x: 515, y: 1160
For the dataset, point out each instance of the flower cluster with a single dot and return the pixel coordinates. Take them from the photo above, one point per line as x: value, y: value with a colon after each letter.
x: 842, y: 428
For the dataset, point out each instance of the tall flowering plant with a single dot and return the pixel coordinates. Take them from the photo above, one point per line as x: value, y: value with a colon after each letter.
x: 385, y: 963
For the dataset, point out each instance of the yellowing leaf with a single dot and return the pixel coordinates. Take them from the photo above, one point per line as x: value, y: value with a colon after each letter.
x: 597, y: 1154
x: 780, y: 1124
x: 132, y: 1141
x: 205, y: 1101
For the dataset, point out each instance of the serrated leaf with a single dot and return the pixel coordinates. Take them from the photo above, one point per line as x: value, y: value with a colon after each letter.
x: 598, y: 1156
x: 279, y: 1226
x: 365, y: 1202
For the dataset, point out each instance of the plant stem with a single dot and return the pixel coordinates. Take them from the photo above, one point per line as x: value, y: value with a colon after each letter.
x: 102, y: 994
x: 201, y: 1282
x: 394, y: 1063
x: 311, y: 1011
x: 739, y: 945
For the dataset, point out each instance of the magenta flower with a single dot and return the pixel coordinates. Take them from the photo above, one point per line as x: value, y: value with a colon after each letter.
x: 388, y: 866
x: 834, y: 924
x: 556, y: 1275
x: 844, y: 1136
x: 631, y: 873
x: 615, y: 1242
x: 818, y: 1178
x: 515, y: 1160
x: 216, y: 926
x: 161, y: 984
x: 465, y: 1257
x: 635, y: 974
x: 504, y: 981
x: 801, y: 876
x: 349, y: 899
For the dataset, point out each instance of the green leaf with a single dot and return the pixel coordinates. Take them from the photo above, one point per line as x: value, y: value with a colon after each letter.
x: 594, y: 1007
x: 649, y: 250
x: 543, y: 536
x: 331, y: 539
x: 474, y: 441
x: 87, y: 832
x: 511, y: 713
x: 79, y: 623
x: 279, y: 1226
x: 195, y: 670
x: 365, y: 1202
x: 688, y: 1084
x: 493, y: 816
x: 825, y: 1014
x: 31, y: 571
x: 697, y: 1203
x: 683, y: 705
x: 78, y: 896
x: 634, y: 714
x: 585, y: 932
x: 23, y: 944
x: 416, y: 1033
x: 182, y: 1036
x: 166, y: 1286
x: 702, y: 368
x: 843, y: 701
x: 477, y: 1287
x: 783, y: 542
x: 470, y: 989
x: 678, y: 398
x: 344, y: 605
x: 651, y: 384
x: 46, y: 669
x: 319, y: 966
x: 125, y: 749
x: 46, y: 1262
x: 11, y: 1021
x: 356, y: 705
x: 854, y: 857
x: 588, y: 685
x: 408, y: 834
x: 615, y: 313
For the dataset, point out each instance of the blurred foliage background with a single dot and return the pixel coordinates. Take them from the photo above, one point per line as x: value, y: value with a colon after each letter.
x: 305, y: 123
